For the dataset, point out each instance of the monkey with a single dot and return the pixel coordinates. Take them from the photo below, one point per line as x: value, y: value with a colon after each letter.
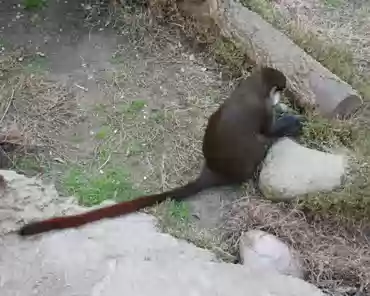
x: 235, y: 142
x: 115, y: 2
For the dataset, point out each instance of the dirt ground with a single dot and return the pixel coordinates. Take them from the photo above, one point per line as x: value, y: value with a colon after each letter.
x: 116, y: 106
x: 140, y: 97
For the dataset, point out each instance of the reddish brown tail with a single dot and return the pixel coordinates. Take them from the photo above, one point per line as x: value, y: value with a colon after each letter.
x: 203, y: 182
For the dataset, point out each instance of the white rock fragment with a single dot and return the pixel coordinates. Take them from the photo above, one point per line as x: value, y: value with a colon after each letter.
x: 29, y: 199
x: 290, y: 170
x: 262, y: 251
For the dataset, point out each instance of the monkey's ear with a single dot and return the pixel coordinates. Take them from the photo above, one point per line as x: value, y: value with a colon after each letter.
x: 273, y: 77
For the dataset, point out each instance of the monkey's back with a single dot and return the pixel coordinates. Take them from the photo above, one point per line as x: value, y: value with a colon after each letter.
x: 232, y: 144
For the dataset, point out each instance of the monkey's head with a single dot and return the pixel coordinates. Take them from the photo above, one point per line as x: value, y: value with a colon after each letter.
x: 273, y: 83
x: 273, y: 78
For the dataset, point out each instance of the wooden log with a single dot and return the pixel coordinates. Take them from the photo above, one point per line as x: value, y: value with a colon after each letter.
x: 309, y: 82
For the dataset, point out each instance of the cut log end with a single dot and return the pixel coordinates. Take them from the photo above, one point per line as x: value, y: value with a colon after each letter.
x: 347, y: 107
x: 314, y: 85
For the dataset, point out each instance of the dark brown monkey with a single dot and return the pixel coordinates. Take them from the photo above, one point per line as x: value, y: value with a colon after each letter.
x: 233, y: 147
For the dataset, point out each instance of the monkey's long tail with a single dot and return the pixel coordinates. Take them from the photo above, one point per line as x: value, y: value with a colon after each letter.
x: 115, y: 210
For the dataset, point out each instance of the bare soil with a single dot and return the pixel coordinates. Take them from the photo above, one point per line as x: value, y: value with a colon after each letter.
x: 141, y: 95
x: 110, y: 90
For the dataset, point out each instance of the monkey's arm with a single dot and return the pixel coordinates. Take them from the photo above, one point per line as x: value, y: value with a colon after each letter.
x: 286, y: 126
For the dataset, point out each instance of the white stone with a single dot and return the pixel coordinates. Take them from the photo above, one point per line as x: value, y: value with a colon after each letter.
x: 291, y: 169
x: 264, y: 252
x: 122, y: 256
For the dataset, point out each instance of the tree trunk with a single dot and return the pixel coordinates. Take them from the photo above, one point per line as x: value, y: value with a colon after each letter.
x: 309, y: 83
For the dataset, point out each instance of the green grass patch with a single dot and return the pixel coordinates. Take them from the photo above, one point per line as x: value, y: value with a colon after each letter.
x: 158, y: 116
x: 30, y: 165
x: 229, y: 54
x: 179, y: 211
x: 100, y: 108
x: 3, y: 44
x: 132, y: 108
x: 328, y: 133
x: 103, y: 132
x: 37, y: 64
x: 333, y: 3
x: 117, y: 59
x: 92, y: 188
x: 263, y: 8
x: 34, y: 4
x: 352, y: 201
x: 27, y: 163
x: 174, y: 219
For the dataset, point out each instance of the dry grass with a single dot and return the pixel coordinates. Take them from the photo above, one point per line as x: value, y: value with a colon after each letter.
x: 336, y: 256
x: 159, y: 142
x: 183, y: 228
x: 338, y: 58
x: 37, y: 107
x: 353, y: 200
x: 150, y: 129
x: 202, y: 34
x: 344, y: 24
x: 330, y: 233
x: 349, y: 205
x: 162, y: 142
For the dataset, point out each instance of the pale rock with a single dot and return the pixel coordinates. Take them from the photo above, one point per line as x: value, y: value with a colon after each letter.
x: 27, y: 199
x: 290, y: 170
x: 264, y: 252
x: 122, y: 256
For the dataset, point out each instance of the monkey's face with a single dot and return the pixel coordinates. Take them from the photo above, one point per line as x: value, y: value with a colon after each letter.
x: 275, y: 96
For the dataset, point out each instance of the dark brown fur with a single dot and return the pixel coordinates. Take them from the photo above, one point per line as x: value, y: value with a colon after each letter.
x: 233, y: 147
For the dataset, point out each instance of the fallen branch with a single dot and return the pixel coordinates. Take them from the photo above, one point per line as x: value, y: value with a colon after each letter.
x: 310, y: 83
